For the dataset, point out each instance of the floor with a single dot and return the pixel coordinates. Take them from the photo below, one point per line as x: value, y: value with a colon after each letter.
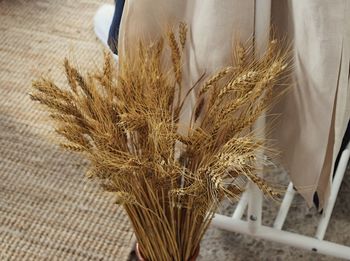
x: 48, y: 209
x: 40, y: 35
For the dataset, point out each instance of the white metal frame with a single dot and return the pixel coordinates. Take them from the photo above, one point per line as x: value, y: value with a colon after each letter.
x: 254, y: 227
x: 252, y: 198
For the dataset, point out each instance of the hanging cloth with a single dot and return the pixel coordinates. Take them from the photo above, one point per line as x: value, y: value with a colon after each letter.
x: 315, y: 113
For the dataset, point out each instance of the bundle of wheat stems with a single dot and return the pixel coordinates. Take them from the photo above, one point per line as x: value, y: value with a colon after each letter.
x: 125, y: 120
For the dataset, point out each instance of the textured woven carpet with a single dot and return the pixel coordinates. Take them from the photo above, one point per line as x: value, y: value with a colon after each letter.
x: 48, y: 210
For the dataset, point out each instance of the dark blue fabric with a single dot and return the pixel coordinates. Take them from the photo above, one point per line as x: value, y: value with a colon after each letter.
x: 114, y: 29
x: 346, y: 140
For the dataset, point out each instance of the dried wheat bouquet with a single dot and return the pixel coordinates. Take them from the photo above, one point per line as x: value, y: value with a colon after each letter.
x: 125, y: 119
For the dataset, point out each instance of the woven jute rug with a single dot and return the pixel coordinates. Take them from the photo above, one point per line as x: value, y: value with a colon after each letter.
x: 48, y: 210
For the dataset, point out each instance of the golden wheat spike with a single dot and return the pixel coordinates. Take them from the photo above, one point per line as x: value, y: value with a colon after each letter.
x: 125, y: 120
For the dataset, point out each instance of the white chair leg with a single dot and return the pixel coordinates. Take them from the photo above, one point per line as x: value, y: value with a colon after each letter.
x: 262, y: 35
x: 284, y: 208
x: 241, y: 206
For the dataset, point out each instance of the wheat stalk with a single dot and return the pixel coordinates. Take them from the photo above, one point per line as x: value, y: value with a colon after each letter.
x: 125, y: 119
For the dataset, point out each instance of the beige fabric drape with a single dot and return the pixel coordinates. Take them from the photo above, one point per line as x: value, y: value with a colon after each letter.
x: 308, y: 135
x: 316, y: 112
